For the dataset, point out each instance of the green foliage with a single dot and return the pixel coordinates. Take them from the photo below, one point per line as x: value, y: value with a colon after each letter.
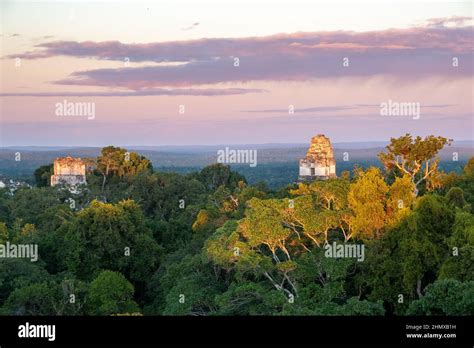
x: 43, y: 175
x: 108, y: 236
x: 115, y: 161
x: 4, y: 235
x: 37, y: 206
x: 323, y: 288
x: 207, y: 243
x: 367, y: 199
x: 110, y: 293
x: 188, y: 287
x: 47, y: 295
x: 460, y: 263
x: 249, y: 298
x: 217, y: 175
x: 415, y: 157
x: 19, y: 273
x: 34, y: 299
x: 455, y: 197
x: 445, y: 297
x: 171, y: 203
x: 465, y: 182
x: 160, y: 194
x: 406, y: 259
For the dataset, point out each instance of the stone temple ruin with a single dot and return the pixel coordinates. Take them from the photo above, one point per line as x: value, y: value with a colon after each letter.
x: 69, y: 171
x: 319, y: 162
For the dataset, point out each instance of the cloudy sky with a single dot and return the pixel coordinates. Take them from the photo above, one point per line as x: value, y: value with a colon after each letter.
x: 216, y: 72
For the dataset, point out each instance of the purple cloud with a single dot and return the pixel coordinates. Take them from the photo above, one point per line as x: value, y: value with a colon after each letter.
x: 335, y: 108
x: 304, y: 110
x: 207, y: 92
x: 406, y: 53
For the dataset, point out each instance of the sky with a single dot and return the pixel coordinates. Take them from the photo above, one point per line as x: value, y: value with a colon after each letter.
x: 222, y: 72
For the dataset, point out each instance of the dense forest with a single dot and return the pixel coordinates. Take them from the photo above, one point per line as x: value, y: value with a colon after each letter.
x: 135, y: 241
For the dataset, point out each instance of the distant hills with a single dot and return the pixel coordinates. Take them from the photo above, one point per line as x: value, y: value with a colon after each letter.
x: 214, y: 148
x: 277, y: 163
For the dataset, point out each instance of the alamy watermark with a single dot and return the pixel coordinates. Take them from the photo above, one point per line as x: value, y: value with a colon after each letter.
x: 76, y: 109
x: 28, y: 330
x: 230, y: 156
x: 21, y: 251
x: 345, y: 250
x: 393, y: 108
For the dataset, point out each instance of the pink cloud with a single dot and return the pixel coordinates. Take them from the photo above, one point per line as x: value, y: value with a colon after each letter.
x: 206, y: 92
x: 406, y: 53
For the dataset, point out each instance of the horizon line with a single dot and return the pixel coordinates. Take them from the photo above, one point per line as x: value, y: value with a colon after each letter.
x: 197, y: 145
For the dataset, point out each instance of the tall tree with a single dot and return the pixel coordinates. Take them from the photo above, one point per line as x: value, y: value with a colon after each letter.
x: 367, y: 199
x: 111, y: 293
x: 415, y: 157
x: 109, y: 161
x: 120, y: 162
